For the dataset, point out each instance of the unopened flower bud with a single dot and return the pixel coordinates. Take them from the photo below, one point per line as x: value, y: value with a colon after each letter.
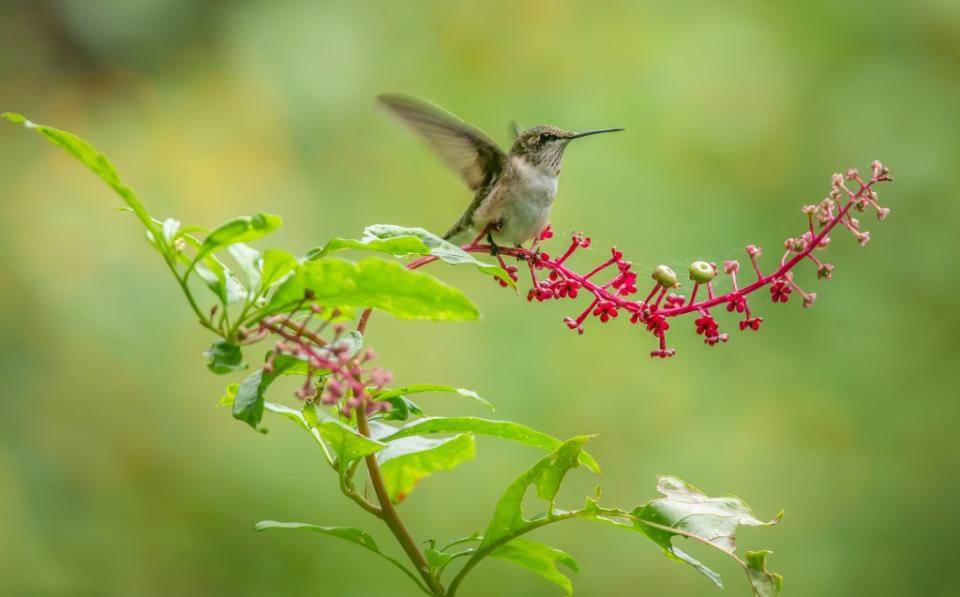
x: 702, y: 272
x: 837, y: 180
x: 882, y: 213
x: 852, y: 173
x: 754, y: 251
x: 808, y: 209
x: 731, y: 267
x: 664, y: 276
x: 808, y: 299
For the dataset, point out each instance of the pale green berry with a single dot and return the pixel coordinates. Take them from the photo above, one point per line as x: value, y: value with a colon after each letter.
x: 665, y: 276
x: 702, y: 272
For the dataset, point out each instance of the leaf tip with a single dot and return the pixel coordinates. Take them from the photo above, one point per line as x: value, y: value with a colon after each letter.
x: 14, y: 118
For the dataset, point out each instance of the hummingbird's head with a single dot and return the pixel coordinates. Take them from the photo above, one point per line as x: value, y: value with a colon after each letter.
x: 543, y: 145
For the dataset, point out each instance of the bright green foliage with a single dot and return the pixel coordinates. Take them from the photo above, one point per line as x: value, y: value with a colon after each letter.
x: 546, y: 475
x: 432, y: 387
x: 276, y: 282
x: 277, y: 263
x: 238, y: 230
x: 376, y: 283
x: 439, y: 248
x: 503, y: 429
x: 248, y: 403
x: 353, y: 535
x: 685, y: 510
x: 402, y: 241
x: 540, y: 559
x: 406, y: 461
x: 224, y: 357
x: 401, y: 408
x: 765, y: 584
x: 98, y: 164
x: 344, y: 441
x: 399, y: 246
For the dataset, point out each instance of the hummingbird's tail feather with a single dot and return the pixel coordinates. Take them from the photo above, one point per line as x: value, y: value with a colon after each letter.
x: 458, y: 233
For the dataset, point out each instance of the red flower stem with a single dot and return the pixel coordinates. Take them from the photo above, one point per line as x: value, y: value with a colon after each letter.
x: 756, y: 267
x: 693, y: 293
x: 533, y: 274
x: 659, y: 300
x: 573, y: 247
x: 633, y: 307
x: 709, y: 290
x: 656, y: 287
x: 583, y: 316
x: 600, y: 268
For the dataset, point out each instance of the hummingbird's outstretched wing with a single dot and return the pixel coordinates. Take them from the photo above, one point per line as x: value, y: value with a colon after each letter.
x: 467, y: 149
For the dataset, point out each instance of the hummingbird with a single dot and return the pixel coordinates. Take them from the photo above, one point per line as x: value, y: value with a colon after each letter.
x: 513, y: 191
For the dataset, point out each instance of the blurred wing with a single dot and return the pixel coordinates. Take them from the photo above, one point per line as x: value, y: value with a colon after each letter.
x: 468, y: 150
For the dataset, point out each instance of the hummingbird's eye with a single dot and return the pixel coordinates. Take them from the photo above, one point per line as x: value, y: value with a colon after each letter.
x: 544, y: 137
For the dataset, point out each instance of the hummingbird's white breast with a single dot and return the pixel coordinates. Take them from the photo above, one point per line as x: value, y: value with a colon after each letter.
x: 520, y: 203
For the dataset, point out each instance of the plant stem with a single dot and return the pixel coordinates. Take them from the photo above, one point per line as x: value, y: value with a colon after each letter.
x: 388, y: 513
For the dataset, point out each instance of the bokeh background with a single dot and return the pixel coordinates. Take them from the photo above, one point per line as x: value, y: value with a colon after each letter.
x: 118, y: 474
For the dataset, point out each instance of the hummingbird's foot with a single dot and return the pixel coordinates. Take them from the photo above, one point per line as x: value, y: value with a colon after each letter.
x: 494, y: 248
x: 520, y: 256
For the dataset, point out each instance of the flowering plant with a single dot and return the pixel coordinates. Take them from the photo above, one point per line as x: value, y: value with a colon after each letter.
x: 365, y: 426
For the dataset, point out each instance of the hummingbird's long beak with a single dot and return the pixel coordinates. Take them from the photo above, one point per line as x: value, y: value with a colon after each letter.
x: 593, y: 132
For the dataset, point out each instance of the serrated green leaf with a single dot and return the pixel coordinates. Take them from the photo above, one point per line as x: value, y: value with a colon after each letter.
x: 224, y: 357
x: 97, y: 163
x: 546, y: 475
x: 350, y: 534
x: 685, y: 507
x: 539, y: 558
x: 405, y: 462
x: 687, y: 512
x: 277, y: 263
x: 439, y: 248
x: 763, y: 583
x: 238, y: 230
x: 502, y: 429
x: 373, y: 282
x: 420, y: 388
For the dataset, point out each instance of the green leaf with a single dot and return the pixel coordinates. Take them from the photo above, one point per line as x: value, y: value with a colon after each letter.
x: 224, y: 357
x: 277, y: 263
x: 439, y: 248
x: 405, y: 462
x: 540, y: 559
x: 503, y: 429
x: 688, y: 512
x: 344, y: 440
x: 350, y: 534
x: 221, y: 282
x: 546, y: 475
x: 97, y: 163
x: 238, y: 230
x: 764, y: 584
x: 248, y: 402
x: 432, y: 387
x: 401, y: 245
x: 248, y: 259
x: 401, y: 409
x: 373, y: 282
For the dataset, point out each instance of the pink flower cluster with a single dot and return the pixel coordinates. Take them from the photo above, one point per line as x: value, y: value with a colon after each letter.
x: 345, y: 378
x: 611, y: 284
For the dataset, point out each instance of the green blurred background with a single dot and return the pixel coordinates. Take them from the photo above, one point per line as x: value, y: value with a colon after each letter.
x: 119, y: 476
